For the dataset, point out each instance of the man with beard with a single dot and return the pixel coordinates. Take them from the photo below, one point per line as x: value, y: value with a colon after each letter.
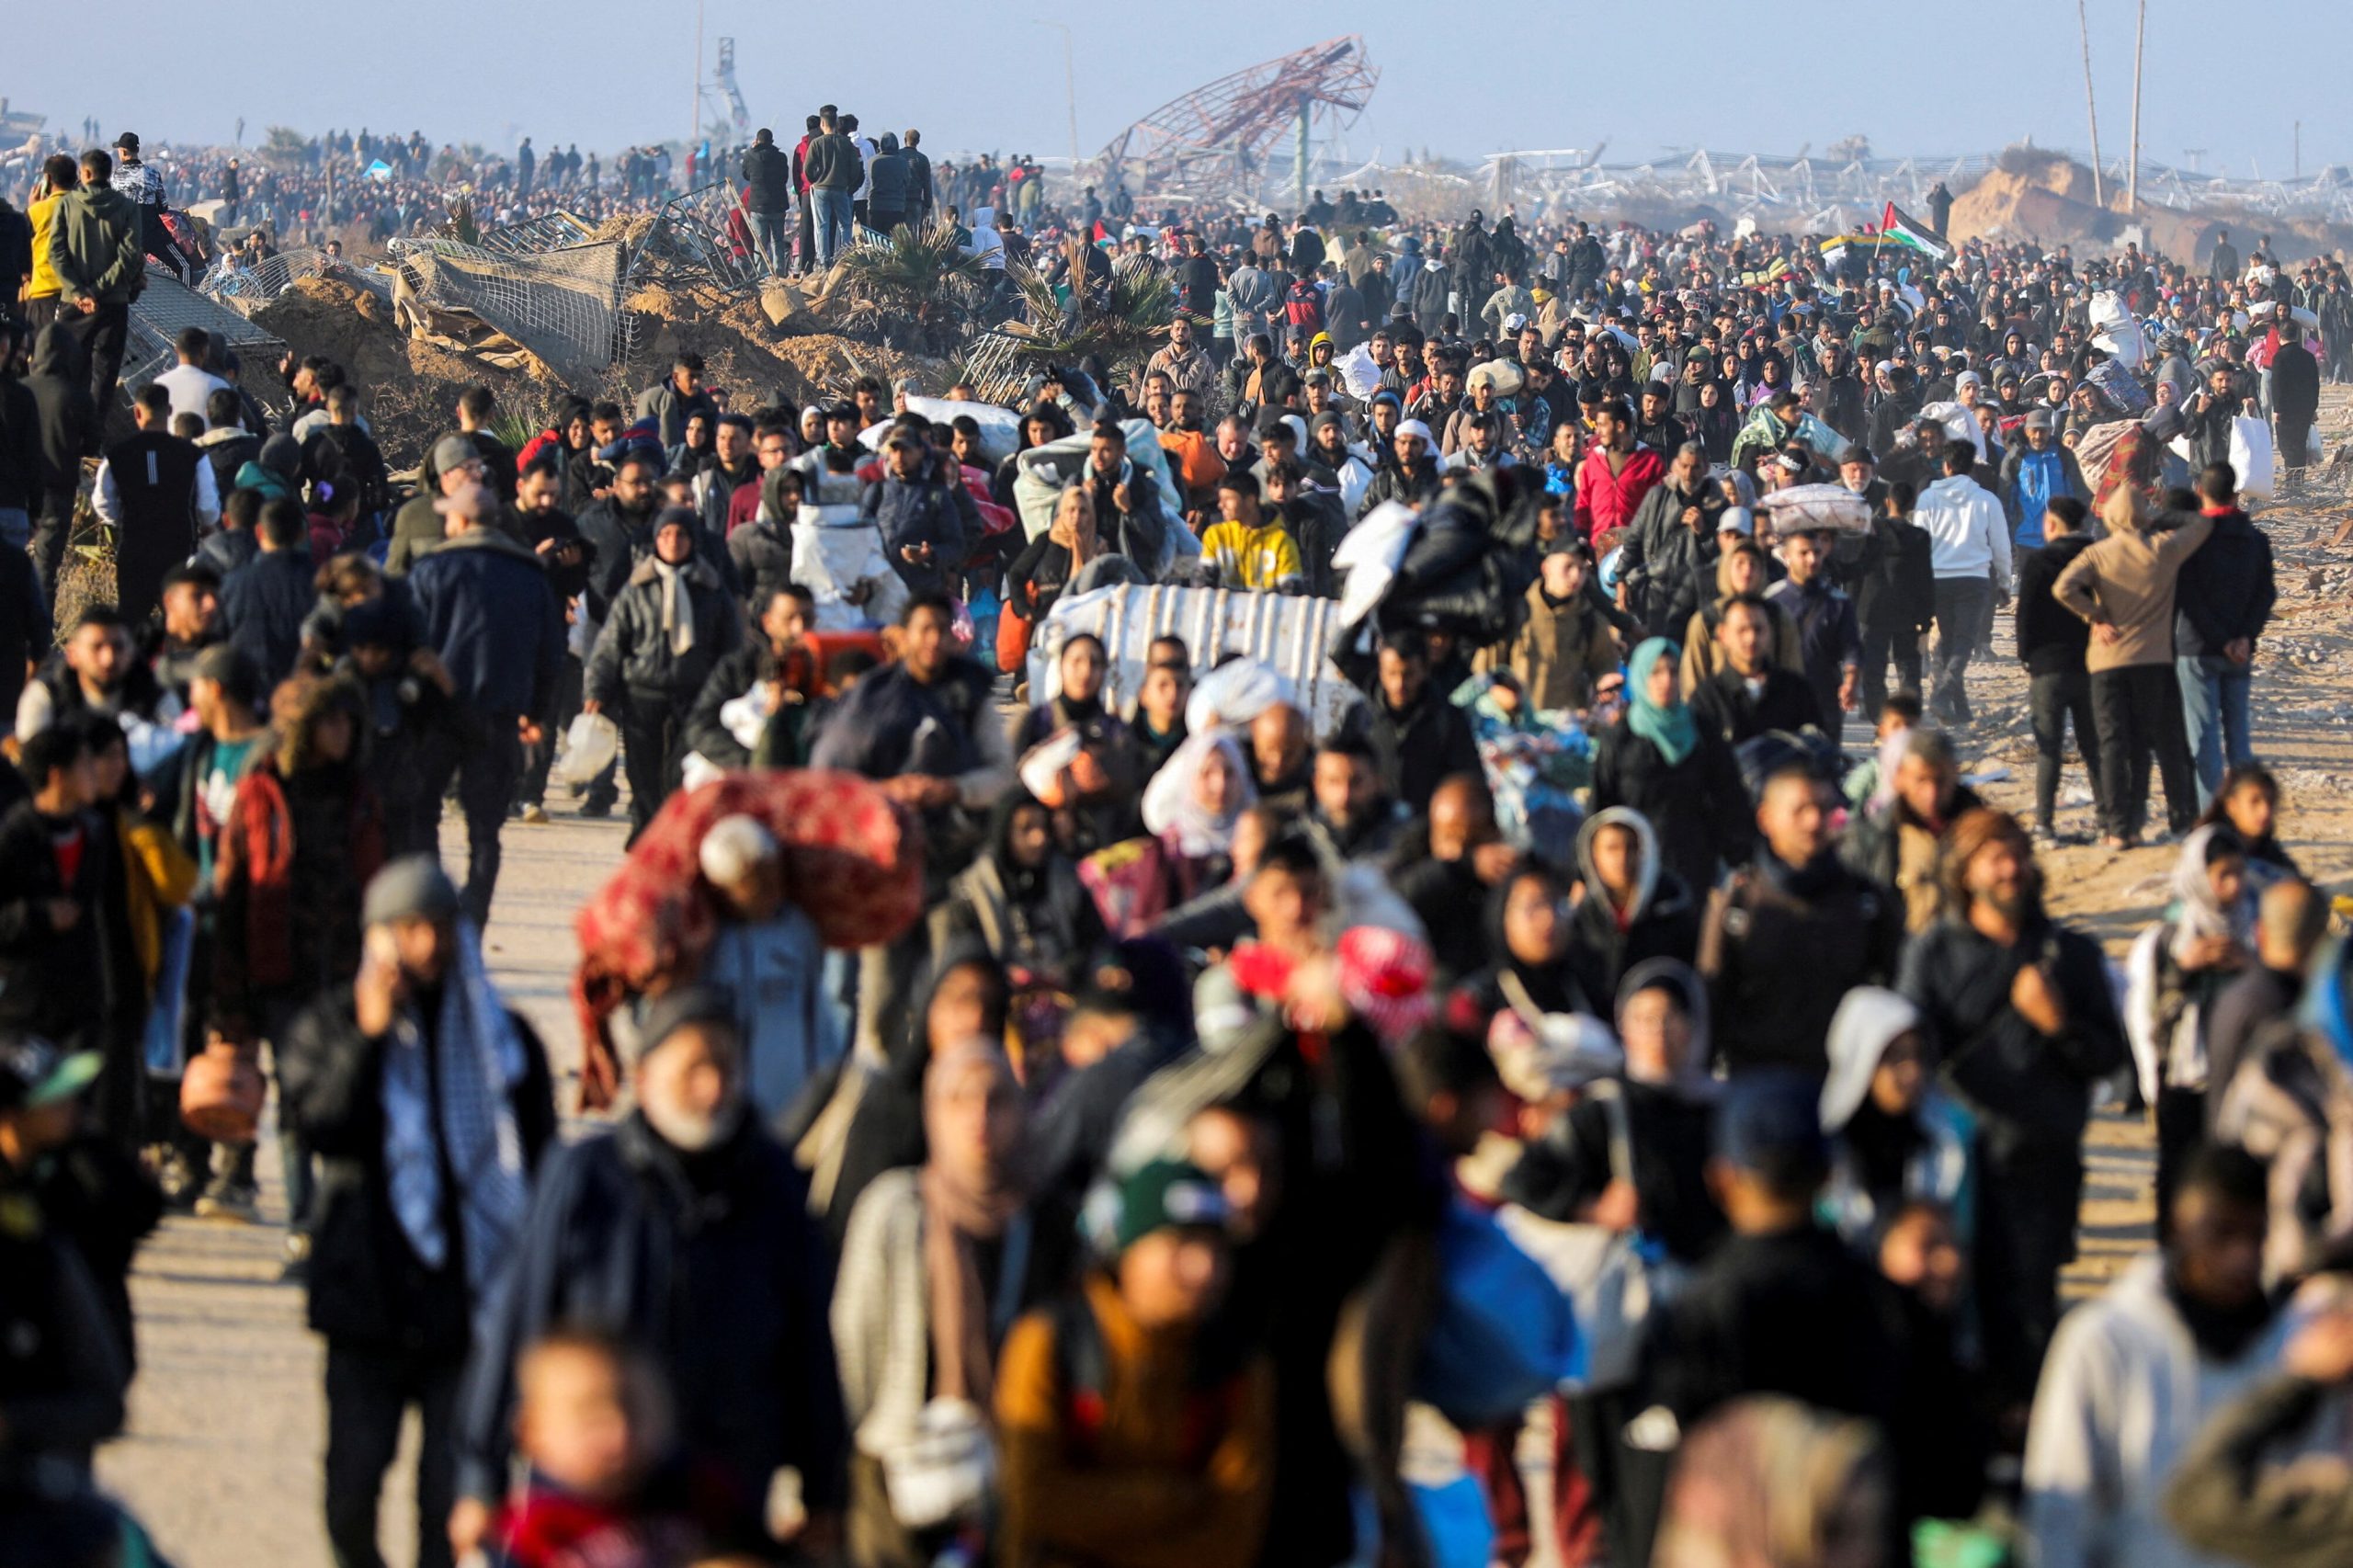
x: 2193, y: 1320
x: 1419, y: 736
x: 1836, y: 396
x: 2022, y: 1006
x: 98, y: 671
x: 1670, y: 549
x: 704, y: 1195
x: 732, y: 466
x: 406, y: 1251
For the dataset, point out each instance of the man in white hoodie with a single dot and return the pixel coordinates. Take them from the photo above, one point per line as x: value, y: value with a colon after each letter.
x: 2132, y: 1376
x: 1971, y: 544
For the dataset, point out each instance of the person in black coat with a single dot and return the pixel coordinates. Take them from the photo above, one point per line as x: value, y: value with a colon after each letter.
x: 668, y: 628
x: 265, y: 602
x: 1751, y: 696
x: 2223, y: 600
x: 2052, y: 643
x: 2295, y: 395
x: 1661, y: 761
x: 2025, y: 1025
x: 683, y: 1230
x: 1791, y: 932
x: 1633, y: 908
x: 1418, y: 737
x: 402, y: 1254
x: 70, y: 431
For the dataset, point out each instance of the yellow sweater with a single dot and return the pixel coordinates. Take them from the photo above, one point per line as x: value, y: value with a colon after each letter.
x: 1133, y: 1496
x: 43, y: 212
x: 162, y: 877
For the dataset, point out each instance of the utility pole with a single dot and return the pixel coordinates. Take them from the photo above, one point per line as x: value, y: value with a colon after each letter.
x: 2300, y: 151
x: 2083, y: 24
x: 2133, y: 177
x: 694, y: 118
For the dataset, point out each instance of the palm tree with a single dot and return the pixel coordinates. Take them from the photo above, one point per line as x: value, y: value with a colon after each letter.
x: 1124, y: 321
x: 918, y: 276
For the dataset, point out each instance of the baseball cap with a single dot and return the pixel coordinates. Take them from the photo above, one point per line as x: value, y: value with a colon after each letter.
x: 1159, y: 1196
x: 1514, y: 322
x: 1770, y: 1120
x: 454, y: 451
x: 34, y: 1072
x: 1854, y: 452
x: 1736, y: 520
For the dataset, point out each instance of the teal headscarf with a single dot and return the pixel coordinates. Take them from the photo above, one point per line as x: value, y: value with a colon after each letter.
x: 1669, y: 727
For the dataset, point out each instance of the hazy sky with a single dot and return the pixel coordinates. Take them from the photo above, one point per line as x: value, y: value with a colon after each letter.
x: 606, y: 72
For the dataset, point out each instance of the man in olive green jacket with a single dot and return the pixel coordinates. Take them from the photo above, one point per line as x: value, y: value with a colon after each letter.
x: 94, y: 248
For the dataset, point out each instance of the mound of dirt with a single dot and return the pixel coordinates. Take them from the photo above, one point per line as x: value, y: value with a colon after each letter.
x: 2019, y: 207
x: 351, y: 325
x: 2046, y: 170
x: 748, y: 356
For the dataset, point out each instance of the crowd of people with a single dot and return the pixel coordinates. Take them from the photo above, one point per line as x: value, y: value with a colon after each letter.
x: 1273, y: 1141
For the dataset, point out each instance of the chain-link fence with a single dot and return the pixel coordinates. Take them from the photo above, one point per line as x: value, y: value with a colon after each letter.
x: 702, y: 236
x: 246, y: 288
x: 564, y: 305
x: 165, y: 307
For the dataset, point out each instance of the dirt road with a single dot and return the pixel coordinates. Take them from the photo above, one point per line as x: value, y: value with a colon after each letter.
x: 227, y: 1422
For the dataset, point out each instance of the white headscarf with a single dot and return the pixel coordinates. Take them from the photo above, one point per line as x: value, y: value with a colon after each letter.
x: 2202, y: 914
x: 1170, y: 806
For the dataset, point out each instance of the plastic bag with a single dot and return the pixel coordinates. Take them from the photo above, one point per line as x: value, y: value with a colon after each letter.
x: 1504, y: 1334
x: 589, y: 747
x: 2252, y: 456
x: 1370, y: 556
x: 1358, y: 373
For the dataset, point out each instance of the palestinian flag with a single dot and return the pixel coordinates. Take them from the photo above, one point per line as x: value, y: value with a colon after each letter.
x: 1897, y: 225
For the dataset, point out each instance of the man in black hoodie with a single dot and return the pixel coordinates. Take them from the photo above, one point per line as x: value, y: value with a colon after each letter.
x: 2051, y: 643
x: 767, y: 170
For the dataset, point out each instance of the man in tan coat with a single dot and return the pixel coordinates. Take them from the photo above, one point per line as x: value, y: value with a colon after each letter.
x: 2124, y: 586
x: 1564, y: 646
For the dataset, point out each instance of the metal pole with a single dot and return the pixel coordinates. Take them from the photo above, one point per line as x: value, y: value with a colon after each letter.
x: 693, y: 119
x: 1300, y: 161
x: 1069, y: 95
x: 2133, y: 177
x: 2083, y: 22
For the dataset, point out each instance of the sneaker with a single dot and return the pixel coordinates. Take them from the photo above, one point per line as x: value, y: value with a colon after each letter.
x: 230, y: 1200
x: 535, y: 816
x: 597, y: 810
x: 178, y: 1181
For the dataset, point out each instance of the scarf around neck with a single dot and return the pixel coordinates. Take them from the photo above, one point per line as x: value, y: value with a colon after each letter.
x: 677, y: 605
x: 1669, y: 727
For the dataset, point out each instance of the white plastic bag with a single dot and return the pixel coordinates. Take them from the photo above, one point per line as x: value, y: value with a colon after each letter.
x: 2251, y: 455
x: 589, y: 747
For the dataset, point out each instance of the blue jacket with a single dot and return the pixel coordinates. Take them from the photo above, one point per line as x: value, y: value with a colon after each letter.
x: 2030, y: 482
x: 263, y: 605
x: 487, y: 610
x: 719, y: 1273
x: 923, y: 511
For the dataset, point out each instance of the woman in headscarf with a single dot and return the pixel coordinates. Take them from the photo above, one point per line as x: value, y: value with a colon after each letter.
x: 1529, y: 927
x: 866, y: 1117
x: 938, y: 1260
x: 1635, y: 907
x: 1096, y: 762
x: 1715, y: 424
x: 1769, y: 1483
x: 2249, y: 801
x: 2172, y: 974
x: 1023, y: 900
x: 1041, y: 572
x: 1192, y: 809
x: 1658, y: 760
x: 1895, y: 1137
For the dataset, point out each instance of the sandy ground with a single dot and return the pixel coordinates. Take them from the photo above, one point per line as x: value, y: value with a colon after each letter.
x: 222, y: 1455
x: 227, y: 1421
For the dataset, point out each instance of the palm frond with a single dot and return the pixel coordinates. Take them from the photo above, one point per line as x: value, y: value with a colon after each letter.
x: 918, y: 273
x: 1123, y: 322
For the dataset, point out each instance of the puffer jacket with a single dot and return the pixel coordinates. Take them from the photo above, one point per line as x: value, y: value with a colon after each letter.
x: 886, y: 175
x: 631, y: 651
x: 926, y: 510
x: 2030, y: 482
x: 768, y: 169
x: 488, y: 609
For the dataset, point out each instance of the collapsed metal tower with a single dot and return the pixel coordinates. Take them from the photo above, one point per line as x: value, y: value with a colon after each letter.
x: 1216, y: 140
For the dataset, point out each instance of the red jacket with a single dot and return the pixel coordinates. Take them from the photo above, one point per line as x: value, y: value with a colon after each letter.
x: 1606, y: 500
